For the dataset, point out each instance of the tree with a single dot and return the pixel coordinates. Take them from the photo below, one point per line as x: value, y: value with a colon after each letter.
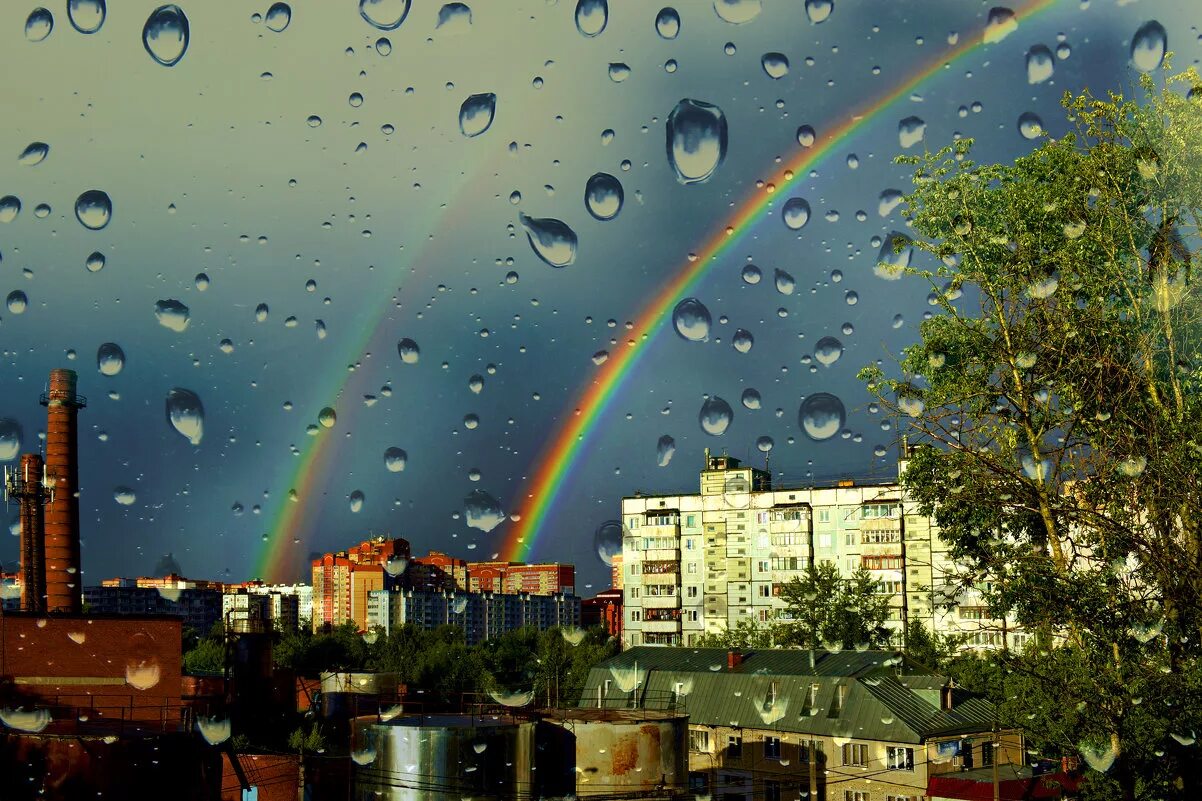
x: 208, y: 656
x: 747, y: 633
x: 827, y: 609
x: 1055, y: 408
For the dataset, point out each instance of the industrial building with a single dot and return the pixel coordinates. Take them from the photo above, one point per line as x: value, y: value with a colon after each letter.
x: 701, y: 563
x: 199, y: 608
x: 843, y: 726
x: 481, y: 615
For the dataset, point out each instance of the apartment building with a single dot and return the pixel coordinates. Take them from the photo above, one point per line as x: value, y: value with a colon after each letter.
x: 343, y: 580
x: 700, y: 563
x: 253, y: 605
x: 481, y: 615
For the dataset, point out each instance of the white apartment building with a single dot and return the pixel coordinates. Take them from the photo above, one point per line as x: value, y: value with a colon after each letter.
x: 695, y: 564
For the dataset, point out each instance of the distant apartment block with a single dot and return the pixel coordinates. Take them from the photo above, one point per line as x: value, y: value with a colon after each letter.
x: 513, y: 577
x: 604, y: 610
x: 287, y: 604
x: 700, y: 563
x: 343, y: 580
x: 482, y: 616
x: 200, y: 607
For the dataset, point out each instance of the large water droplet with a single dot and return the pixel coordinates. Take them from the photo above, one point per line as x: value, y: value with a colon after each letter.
x: 110, y: 359
x: 806, y: 135
x: 86, y: 16
x: 10, y: 439
x: 603, y: 196
x: 93, y: 209
x: 278, y: 17
x: 1040, y: 64
x: 795, y: 213
x: 38, y: 24
x: 894, y: 257
x: 742, y: 341
x: 34, y: 153
x: 776, y: 65
x: 454, y: 18
x: 692, y: 320
x: 751, y: 274
x: 765, y: 444
x: 911, y: 131
x: 738, y: 12
x: 1148, y: 46
x: 165, y: 35
x: 821, y: 416
x: 476, y: 114
x: 696, y: 140
x: 888, y: 201
x: 387, y: 15
x: 1000, y: 23
x: 667, y: 23
x: 408, y: 351
x: 664, y: 448
x: 95, y: 262
x: 552, y: 240
x: 172, y: 314
x: 17, y: 302
x: 10, y: 207
x: 751, y: 398
x: 482, y: 511
x: 327, y: 417
x: 819, y: 10
x: 215, y: 730
x: 619, y: 71
x: 1030, y: 126
x: 785, y: 283
x: 186, y: 414
x: 607, y: 540
x: 828, y: 350
x: 124, y: 496
x: 357, y: 499
x: 715, y: 416
x: 592, y: 16
x: 395, y: 460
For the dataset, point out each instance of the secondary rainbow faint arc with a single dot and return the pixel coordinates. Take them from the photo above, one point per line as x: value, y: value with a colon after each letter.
x: 567, y: 442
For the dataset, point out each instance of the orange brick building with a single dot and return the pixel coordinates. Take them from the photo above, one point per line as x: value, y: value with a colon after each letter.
x: 515, y: 577
x: 342, y: 581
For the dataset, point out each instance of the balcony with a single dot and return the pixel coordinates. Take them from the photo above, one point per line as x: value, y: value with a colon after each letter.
x: 661, y: 602
x: 661, y: 626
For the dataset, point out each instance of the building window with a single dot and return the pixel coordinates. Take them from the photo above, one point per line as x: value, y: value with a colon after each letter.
x: 634, y: 523
x: 699, y: 782
x: 734, y: 746
x: 986, y: 754
x: 635, y: 615
x: 898, y: 758
x: 771, y: 791
x: 690, y: 521
x: 855, y: 795
x: 692, y: 567
x: 771, y: 748
x: 699, y: 740
x: 824, y: 540
x: 765, y: 591
x: 690, y: 543
x: 691, y: 592
x: 855, y: 754
x: 634, y: 592
x: 691, y: 615
x: 824, y: 515
x: 899, y: 798
x: 762, y: 566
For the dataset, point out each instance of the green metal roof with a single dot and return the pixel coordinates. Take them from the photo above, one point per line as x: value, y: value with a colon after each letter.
x: 883, y: 699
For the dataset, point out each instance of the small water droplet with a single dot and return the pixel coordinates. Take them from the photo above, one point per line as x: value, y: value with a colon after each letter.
x: 1148, y: 46
x: 552, y: 240
x: 737, y: 12
x: 591, y: 17
x: 17, y: 302
x: 110, y: 359
x: 765, y: 444
x: 476, y: 114
x: 39, y: 24
x: 124, y: 496
x: 1030, y: 126
x: 1000, y: 23
x: 795, y: 213
x: 742, y: 341
x: 607, y: 541
x: 603, y: 196
x: 95, y: 262
x: 186, y: 414
x: 10, y: 207
x: 819, y: 10
x: 278, y: 17
x: 482, y: 511
x: 93, y: 209
x: 828, y: 350
x: 357, y: 499
x: 387, y: 15
x: 172, y: 314
x: 165, y: 35
x: 408, y: 351
x: 1040, y: 64
x: 667, y: 23
x: 785, y: 283
x: 664, y: 449
x: 751, y: 399
x: 454, y: 18
x: 395, y: 460
x: 697, y: 141
x: 34, y: 153
x: 894, y: 256
x: 751, y: 274
x: 911, y: 131
x: 692, y: 320
x: 383, y: 46
x: 715, y: 416
x: 806, y: 136
x: 821, y: 416
x: 776, y: 65
x: 618, y: 71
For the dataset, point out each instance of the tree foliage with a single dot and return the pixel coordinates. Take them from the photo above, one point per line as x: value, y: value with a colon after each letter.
x: 1054, y: 402
x: 826, y: 609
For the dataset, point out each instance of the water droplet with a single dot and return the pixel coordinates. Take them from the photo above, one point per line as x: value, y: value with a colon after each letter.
x: 454, y: 18
x: 408, y: 351
x: 476, y: 114
x: 664, y: 448
x: 692, y: 320
x: 1030, y: 126
x: 552, y: 240
x: 819, y: 10
x: 911, y: 131
x: 278, y: 17
x: 742, y: 341
x: 1100, y: 758
x: 10, y: 207
x: 785, y: 283
x: 215, y: 730
x: 34, y: 153
x: 165, y: 35
x: 894, y: 256
x: 110, y: 359
x: 667, y: 23
x: 821, y: 416
x: 751, y: 398
x: 17, y: 301
x: 395, y: 459
x: 737, y: 12
x: 93, y: 209
x: 592, y: 16
x: 482, y: 511
x: 715, y: 416
x: 911, y: 405
x: 1148, y: 46
x: 888, y: 201
x: 95, y: 262
x: 806, y: 136
x: 795, y: 213
x: 603, y: 196
x: 696, y: 140
x: 765, y: 444
x: 327, y: 417
x: 476, y: 384
x: 38, y: 24
x: 1040, y: 64
x: 1000, y: 23
x: 41, y: 211
x: 828, y: 350
x: 387, y: 15
x: 10, y: 439
x: 261, y: 313
x: 26, y: 720
x: 357, y: 499
x: 619, y: 72
x: 607, y: 136
x: 125, y: 496
x: 172, y: 314
x: 383, y: 46
x: 1063, y: 50
x: 186, y: 414
x: 751, y: 274
x: 776, y: 65
x: 1044, y: 288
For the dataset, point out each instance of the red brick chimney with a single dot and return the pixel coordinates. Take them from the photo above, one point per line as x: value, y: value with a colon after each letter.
x: 733, y: 659
x: 63, y: 579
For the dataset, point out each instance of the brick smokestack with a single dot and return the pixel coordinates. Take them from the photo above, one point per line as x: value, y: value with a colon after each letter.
x: 27, y: 486
x: 63, y: 579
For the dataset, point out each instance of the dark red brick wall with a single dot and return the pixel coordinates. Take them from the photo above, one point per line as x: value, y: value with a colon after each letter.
x: 276, y: 776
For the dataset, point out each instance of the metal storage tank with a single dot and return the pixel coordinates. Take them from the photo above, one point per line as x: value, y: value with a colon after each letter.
x: 349, y: 695
x: 443, y: 758
x: 615, y: 752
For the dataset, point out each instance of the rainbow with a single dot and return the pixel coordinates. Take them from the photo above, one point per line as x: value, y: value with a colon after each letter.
x: 567, y: 444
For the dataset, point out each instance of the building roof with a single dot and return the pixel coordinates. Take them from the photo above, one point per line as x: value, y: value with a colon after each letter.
x: 884, y: 697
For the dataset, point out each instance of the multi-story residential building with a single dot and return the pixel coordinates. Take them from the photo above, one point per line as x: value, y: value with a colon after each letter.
x: 275, y: 609
x: 512, y: 577
x: 290, y: 603
x: 696, y: 564
x: 827, y: 726
x: 343, y: 580
x: 482, y: 616
x: 199, y: 607
x: 437, y: 571
x: 615, y: 569
x: 604, y: 610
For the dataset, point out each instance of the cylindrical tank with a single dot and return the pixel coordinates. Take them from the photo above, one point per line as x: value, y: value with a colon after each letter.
x: 614, y: 752
x: 63, y: 580
x: 443, y: 758
x: 347, y: 695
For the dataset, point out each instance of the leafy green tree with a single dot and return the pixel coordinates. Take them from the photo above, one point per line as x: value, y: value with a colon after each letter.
x: 747, y: 633
x: 207, y: 656
x: 825, y: 608
x: 1055, y: 406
